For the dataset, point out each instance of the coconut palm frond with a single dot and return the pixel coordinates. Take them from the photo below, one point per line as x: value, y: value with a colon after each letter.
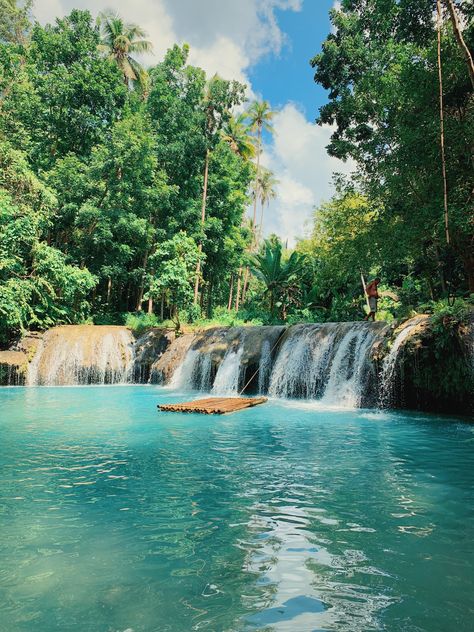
x: 142, y: 46
x: 119, y: 41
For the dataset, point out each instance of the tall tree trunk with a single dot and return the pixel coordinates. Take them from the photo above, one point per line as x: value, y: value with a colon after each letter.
x: 109, y: 289
x: 460, y: 39
x: 127, y: 298
x: 209, y: 300
x: 162, y: 308
x: 431, y: 287
x: 468, y: 261
x: 237, y: 294
x: 231, y: 291
x: 441, y: 122
x: 150, y: 305
x: 142, y: 284
x: 246, y: 283
x: 260, y: 227
x: 440, y: 266
x: 203, y: 219
x: 255, y: 198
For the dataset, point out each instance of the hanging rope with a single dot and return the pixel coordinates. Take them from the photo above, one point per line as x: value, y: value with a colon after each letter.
x: 256, y: 372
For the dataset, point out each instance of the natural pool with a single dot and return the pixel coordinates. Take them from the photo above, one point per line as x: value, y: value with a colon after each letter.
x: 285, y: 517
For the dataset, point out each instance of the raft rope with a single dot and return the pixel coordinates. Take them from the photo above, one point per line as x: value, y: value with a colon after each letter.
x: 258, y: 369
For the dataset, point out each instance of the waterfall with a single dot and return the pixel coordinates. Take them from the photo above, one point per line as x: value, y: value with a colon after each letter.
x: 301, y: 366
x: 183, y: 375
x: 345, y: 384
x: 264, y: 367
x: 168, y: 364
x: 391, y: 360
x: 193, y: 373
x: 82, y: 354
x: 328, y: 362
x: 228, y: 375
x: 336, y: 364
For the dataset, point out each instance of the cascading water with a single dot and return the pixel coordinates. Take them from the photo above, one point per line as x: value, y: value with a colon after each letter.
x: 82, y: 355
x: 264, y: 367
x: 301, y: 366
x: 327, y: 362
x: 330, y: 362
x: 183, y: 375
x: 228, y: 375
x: 193, y: 373
x: 390, y: 362
x: 345, y: 385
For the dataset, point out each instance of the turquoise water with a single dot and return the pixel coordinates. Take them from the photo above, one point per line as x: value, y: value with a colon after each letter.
x: 115, y: 517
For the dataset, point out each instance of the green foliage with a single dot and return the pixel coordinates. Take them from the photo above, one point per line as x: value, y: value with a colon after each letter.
x: 101, y: 186
x: 448, y: 315
x: 380, y: 67
x: 225, y: 318
x: 438, y: 360
x: 15, y: 23
x: 174, y: 262
x: 140, y: 322
x: 280, y: 276
x: 38, y: 287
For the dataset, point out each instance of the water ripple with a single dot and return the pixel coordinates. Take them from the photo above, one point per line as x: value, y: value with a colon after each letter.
x: 283, y: 518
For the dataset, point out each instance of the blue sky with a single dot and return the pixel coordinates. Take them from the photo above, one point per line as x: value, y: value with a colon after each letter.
x: 266, y: 44
x: 289, y: 76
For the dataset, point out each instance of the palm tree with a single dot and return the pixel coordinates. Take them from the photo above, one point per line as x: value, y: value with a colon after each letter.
x: 279, y: 277
x: 441, y: 121
x: 266, y: 188
x: 120, y: 41
x: 260, y: 117
x: 236, y: 134
x: 210, y: 125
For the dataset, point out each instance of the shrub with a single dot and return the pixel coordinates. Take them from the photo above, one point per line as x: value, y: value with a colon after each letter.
x: 140, y: 322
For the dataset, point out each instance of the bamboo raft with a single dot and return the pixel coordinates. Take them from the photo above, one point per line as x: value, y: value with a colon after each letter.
x: 214, y: 405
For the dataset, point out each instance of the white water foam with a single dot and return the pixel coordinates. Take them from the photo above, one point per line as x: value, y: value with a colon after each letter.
x: 82, y: 355
x: 228, y: 375
x: 345, y: 384
x: 264, y: 367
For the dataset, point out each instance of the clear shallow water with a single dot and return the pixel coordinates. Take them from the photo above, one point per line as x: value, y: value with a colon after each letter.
x: 284, y: 517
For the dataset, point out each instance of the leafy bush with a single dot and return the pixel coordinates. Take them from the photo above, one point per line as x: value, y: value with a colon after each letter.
x: 438, y: 361
x: 224, y: 318
x: 449, y: 316
x: 140, y: 322
x: 191, y: 314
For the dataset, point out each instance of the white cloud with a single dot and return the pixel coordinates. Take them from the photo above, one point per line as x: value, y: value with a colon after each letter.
x: 224, y: 57
x: 300, y: 162
x: 225, y: 36
x: 337, y: 6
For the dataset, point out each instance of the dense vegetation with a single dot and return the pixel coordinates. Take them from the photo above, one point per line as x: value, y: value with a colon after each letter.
x: 124, y: 191
x: 382, y: 71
